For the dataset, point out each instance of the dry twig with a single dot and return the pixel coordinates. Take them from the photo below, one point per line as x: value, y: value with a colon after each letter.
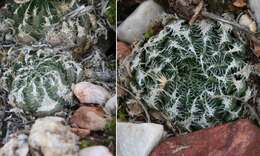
x: 197, y: 11
x: 138, y: 101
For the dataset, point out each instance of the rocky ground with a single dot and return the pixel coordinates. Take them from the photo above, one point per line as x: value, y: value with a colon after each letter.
x: 57, y: 78
x: 145, y: 127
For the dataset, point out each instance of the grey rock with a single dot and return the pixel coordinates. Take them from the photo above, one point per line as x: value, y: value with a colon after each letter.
x: 50, y: 136
x: 255, y: 8
x: 16, y: 146
x: 111, y: 104
x: 133, y: 28
x: 137, y: 139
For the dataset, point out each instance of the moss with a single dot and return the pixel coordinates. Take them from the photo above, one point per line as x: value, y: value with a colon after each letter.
x: 122, y: 116
x: 149, y: 34
x: 154, y: 29
x: 86, y: 143
x: 110, y: 128
x: 111, y: 12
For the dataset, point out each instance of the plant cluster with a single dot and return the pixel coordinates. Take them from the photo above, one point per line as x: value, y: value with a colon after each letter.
x: 43, y: 70
x: 66, y: 23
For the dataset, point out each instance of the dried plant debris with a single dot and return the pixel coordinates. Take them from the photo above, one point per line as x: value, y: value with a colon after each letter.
x: 47, y: 46
x: 7, y: 32
x: 184, y: 8
x: 196, y: 74
x: 218, y: 6
x: 100, y: 68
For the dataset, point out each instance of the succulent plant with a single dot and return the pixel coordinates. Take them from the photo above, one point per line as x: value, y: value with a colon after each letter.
x: 196, y: 74
x: 32, y: 16
x: 40, y: 81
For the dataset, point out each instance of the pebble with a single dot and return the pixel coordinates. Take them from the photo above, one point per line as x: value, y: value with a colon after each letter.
x: 123, y: 51
x: 111, y: 105
x: 133, y: 28
x: 137, y: 139
x: 90, y: 93
x: 247, y: 21
x: 50, y: 136
x: 95, y: 151
x: 254, y: 6
x: 239, y: 3
x: 257, y: 50
x: 240, y: 138
x: 16, y: 146
x: 91, y: 118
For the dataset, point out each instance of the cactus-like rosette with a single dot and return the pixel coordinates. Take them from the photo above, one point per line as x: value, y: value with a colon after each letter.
x: 31, y: 16
x: 40, y: 82
x: 196, y: 74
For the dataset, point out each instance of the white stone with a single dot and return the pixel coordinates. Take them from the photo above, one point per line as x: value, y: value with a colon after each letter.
x: 137, y: 139
x: 90, y: 93
x: 133, y: 28
x: 17, y: 146
x: 255, y: 8
x: 247, y: 21
x: 111, y: 105
x: 50, y: 136
x: 95, y: 151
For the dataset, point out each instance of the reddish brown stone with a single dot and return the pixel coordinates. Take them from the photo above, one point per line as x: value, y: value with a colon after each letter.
x: 241, y: 138
x: 239, y: 3
x: 257, y: 50
x: 92, y: 118
x: 123, y: 51
x: 82, y: 133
